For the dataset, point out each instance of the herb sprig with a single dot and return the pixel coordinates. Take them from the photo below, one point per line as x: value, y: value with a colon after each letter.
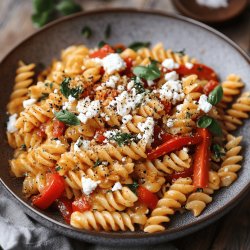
x: 66, y: 91
x: 210, y: 123
x: 123, y: 138
x: 215, y: 96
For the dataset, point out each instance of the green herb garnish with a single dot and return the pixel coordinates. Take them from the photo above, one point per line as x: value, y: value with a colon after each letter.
x: 66, y: 91
x: 150, y: 72
x: 133, y: 187
x: 101, y: 44
x: 67, y: 117
x: 43, y: 97
x: 138, y: 45
x: 216, y: 95
x: 97, y: 163
x: 138, y: 85
x: 123, y: 138
x: 23, y: 147
x: 58, y: 168
x: 45, y: 11
x: 107, y: 32
x: 180, y: 52
x: 211, y: 124
x: 86, y: 32
x: 218, y: 151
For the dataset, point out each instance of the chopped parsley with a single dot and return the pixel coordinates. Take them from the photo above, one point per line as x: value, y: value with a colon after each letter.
x: 23, y: 147
x: 58, y: 168
x: 97, y: 163
x: 138, y: 85
x: 67, y: 91
x: 133, y: 187
x: 218, y: 151
x: 43, y: 97
x: 123, y: 138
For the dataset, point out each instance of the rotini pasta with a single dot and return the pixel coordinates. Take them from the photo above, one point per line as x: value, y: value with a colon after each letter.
x: 126, y: 139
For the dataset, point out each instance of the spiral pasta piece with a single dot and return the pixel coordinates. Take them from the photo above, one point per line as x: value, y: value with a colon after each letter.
x: 171, y: 201
x: 24, y: 78
x: 107, y: 221
x: 230, y: 166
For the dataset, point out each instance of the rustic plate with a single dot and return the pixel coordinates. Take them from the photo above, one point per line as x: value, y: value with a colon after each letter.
x: 175, y: 32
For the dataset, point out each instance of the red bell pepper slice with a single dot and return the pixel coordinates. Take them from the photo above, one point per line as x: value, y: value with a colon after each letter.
x: 146, y: 197
x: 58, y: 128
x: 174, y: 144
x: 52, y: 191
x: 81, y: 204
x: 160, y: 136
x: 201, y: 159
x: 188, y: 172
x: 210, y: 86
x: 64, y: 205
x: 102, y: 52
x: 202, y: 71
x: 99, y: 137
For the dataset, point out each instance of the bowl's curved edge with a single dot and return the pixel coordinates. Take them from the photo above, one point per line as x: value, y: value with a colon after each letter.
x: 140, y: 239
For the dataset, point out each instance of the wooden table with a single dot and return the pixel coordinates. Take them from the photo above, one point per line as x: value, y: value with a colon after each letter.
x: 233, y: 230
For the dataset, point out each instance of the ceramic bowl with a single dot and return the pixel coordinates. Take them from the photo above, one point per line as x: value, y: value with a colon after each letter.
x: 176, y: 32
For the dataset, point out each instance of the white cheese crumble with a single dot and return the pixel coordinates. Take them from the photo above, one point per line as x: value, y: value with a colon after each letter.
x: 55, y: 91
x: 185, y: 149
x: 172, y: 91
x: 215, y: 4
x: 11, y: 128
x: 110, y: 133
x: 59, y: 143
x: 171, y: 76
x: 150, y: 83
x: 170, y: 123
x: 110, y: 83
x: 130, y: 85
x: 126, y: 119
x: 81, y: 144
x: 189, y: 65
x: 147, y: 128
x: 170, y: 64
x: 67, y: 105
x: 112, y: 63
x: 124, y: 159
x: 117, y: 186
x: 125, y: 102
x: 204, y: 105
x: 29, y: 102
x: 88, y: 185
x: 88, y: 109
x: 120, y: 88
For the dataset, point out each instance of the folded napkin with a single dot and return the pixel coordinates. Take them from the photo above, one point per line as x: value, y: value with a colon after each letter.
x: 19, y: 232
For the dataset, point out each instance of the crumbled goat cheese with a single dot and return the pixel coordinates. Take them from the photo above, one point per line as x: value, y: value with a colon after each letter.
x: 58, y: 142
x: 120, y: 88
x: 170, y: 123
x: 81, y: 144
x: 204, y: 105
x: 67, y: 105
x: 125, y: 102
x: 55, y: 91
x: 189, y: 65
x: 150, y: 83
x: 147, y: 128
x: 110, y: 133
x: 126, y: 119
x: 88, y: 185
x: 185, y: 149
x: 88, y: 109
x: 11, y: 128
x: 170, y: 64
x: 172, y: 91
x: 29, y: 102
x: 112, y: 63
x: 110, y: 83
x: 124, y: 159
x: 117, y: 186
x: 171, y: 76
x: 96, y: 60
x: 215, y: 4
x: 130, y: 85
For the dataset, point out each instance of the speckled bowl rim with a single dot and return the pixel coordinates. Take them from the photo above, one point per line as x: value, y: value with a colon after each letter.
x: 136, y: 238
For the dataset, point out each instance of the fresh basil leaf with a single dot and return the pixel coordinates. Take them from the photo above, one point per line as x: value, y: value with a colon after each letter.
x: 107, y: 32
x: 40, y: 19
x: 218, y: 151
x: 123, y: 138
x: 211, y: 124
x: 101, y: 44
x: 67, y: 117
x: 67, y: 7
x: 138, y: 45
x: 40, y: 6
x: 133, y: 187
x: 150, y: 72
x: 204, y: 121
x: 215, y: 128
x: 86, y: 32
x: 180, y: 52
x: 216, y: 95
x: 66, y: 91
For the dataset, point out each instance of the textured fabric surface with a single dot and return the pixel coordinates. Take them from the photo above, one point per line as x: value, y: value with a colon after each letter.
x: 19, y: 231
